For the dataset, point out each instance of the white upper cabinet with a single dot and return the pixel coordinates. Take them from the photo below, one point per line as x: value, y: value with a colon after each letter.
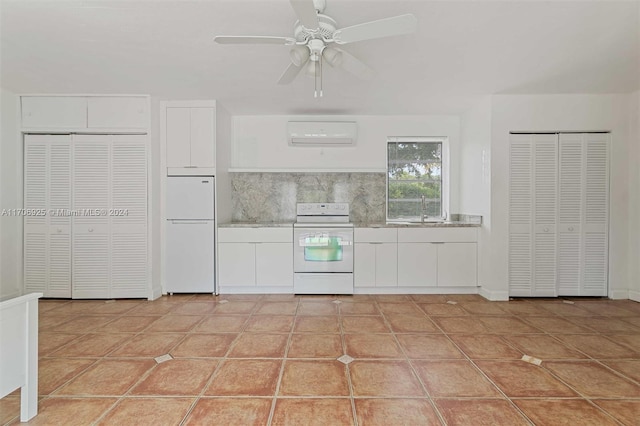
x: 189, y: 133
x: 85, y: 112
x: 54, y: 112
x: 117, y: 112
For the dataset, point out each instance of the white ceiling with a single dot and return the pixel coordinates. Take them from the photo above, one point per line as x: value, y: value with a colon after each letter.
x: 462, y: 51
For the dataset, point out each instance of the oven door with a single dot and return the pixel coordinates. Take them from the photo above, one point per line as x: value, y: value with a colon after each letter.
x: 318, y: 249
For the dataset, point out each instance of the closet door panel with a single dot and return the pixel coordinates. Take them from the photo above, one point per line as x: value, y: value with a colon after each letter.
x: 545, y: 211
x: 129, y: 256
x: 570, y: 215
x: 47, y: 201
x: 91, y: 239
x: 520, y: 216
x: 596, y: 217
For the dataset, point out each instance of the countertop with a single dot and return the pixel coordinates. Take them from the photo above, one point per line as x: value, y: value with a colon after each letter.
x: 448, y: 224
x: 256, y: 225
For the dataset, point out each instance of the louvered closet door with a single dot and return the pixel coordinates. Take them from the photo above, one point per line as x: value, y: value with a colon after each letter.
x: 545, y: 204
x: 532, y: 215
x: 520, y: 216
x: 584, y: 214
x: 596, y: 218
x: 91, y: 240
x: 129, y: 261
x: 47, y: 238
x: 570, y: 214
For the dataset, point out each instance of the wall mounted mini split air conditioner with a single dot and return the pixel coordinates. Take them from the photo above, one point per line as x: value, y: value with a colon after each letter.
x: 322, y: 133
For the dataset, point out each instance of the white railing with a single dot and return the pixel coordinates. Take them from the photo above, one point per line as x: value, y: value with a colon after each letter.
x: 19, y: 351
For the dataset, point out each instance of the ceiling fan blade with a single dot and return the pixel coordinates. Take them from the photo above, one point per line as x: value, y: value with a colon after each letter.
x: 396, y: 25
x: 254, y: 40
x: 290, y: 73
x: 306, y: 12
x: 355, y: 66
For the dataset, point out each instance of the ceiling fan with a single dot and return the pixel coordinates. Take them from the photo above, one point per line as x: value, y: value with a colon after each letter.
x: 316, y: 35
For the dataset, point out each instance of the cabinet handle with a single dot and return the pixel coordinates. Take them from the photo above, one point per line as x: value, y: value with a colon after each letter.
x: 190, y: 167
x: 437, y: 242
x: 545, y: 229
x: 58, y: 230
x: 571, y: 228
x: 90, y: 229
x: 376, y: 243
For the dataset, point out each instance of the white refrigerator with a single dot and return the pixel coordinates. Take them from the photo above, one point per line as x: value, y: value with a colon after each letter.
x: 190, y: 229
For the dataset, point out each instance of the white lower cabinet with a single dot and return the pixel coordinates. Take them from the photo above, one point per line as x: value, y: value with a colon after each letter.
x: 255, y: 259
x: 237, y: 263
x: 417, y: 265
x: 437, y: 257
x: 457, y: 264
x: 415, y: 257
x: 375, y: 257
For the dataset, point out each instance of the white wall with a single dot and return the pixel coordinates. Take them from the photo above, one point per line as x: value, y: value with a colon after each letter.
x: 10, y: 189
x: 260, y: 143
x: 634, y: 196
x: 475, y: 177
x: 561, y: 113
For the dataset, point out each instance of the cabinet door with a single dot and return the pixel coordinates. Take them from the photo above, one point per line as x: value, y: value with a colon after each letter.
x: 274, y: 264
x: 364, y: 265
x: 457, y: 264
x: 54, y: 112
x: 203, y: 136
x: 178, y: 137
x: 117, y: 112
x: 386, y: 265
x: 237, y: 264
x: 417, y: 265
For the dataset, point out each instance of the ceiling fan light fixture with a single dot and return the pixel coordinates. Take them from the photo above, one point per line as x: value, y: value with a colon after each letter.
x: 332, y: 56
x: 299, y: 55
x: 310, y: 69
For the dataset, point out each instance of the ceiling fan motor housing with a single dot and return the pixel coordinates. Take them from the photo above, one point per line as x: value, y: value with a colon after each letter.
x: 325, y: 32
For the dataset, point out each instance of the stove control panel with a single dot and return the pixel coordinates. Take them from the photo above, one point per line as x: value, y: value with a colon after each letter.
x: 323, y: 209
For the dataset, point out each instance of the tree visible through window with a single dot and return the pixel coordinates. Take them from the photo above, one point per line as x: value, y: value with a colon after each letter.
x: 414, y: 170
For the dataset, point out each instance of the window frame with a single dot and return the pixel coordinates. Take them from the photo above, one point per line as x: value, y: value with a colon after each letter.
x: 444, y: 172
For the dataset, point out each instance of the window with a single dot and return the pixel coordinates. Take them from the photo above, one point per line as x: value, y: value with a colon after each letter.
x: 414, y: 178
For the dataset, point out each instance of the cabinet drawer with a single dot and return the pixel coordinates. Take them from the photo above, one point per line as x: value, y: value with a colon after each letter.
x: 255, y: 235
x: 428, y: 235
x: 375, y: 235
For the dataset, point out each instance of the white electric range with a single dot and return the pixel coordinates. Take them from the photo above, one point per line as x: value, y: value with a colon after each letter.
x: 323, y: 249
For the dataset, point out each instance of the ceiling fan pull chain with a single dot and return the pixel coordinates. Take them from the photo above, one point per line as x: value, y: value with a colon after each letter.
x: 320, y: 63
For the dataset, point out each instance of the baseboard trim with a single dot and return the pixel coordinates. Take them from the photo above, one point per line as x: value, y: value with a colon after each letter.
x: 619, y: 294
x: 415, y: 290
x: 634, y: 295
x: 493, y: 295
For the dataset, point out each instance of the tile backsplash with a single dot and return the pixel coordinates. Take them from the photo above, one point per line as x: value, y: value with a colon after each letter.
x: 272, y: 197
